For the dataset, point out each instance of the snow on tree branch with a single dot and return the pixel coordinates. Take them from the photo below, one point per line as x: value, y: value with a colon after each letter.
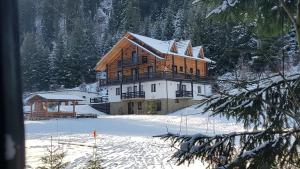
x: 268, y: 108
x: 225, y: 4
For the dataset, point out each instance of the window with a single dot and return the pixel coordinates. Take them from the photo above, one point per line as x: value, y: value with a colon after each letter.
x: 181, y: 69
x: 141, y: 87
x: 183, y: 87
x: 134, y: 57
x: 199, y: 89
x: 134, y: 73
x: 118, y: 91
x: 119, y: 75
x: 139, y: 105
x: 135, y: 88
x: 153, y: 87
x: 158, y: 105
x: 144, y: 59
x: 191, y: 70
x: 175, y: 69
x: 198, y: 72
x: 119, y: 63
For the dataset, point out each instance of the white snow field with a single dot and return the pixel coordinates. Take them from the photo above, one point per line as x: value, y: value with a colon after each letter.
x: 123, y: 142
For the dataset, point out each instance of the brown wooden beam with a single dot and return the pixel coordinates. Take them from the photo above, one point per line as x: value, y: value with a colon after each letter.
x: 185, y: 67
x: 74, y: 114
x: 122, y: 66
x: 107, y: 73
x: 173, y: 64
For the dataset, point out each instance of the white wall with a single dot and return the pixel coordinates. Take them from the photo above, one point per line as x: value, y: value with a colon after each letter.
x: 164, y: 89
x: 112, y: 97
x: 85, y: 95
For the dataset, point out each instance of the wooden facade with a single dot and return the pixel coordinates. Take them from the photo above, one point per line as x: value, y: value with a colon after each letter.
x: 131, y: 60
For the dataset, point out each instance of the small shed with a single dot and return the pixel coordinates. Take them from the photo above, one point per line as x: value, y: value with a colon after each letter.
x: 43, y: 106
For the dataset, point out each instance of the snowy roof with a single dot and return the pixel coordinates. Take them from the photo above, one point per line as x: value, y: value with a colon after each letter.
x: 51, y: 96
x: 159, y: 45
x: 81, y: 109
x: 165, y: 46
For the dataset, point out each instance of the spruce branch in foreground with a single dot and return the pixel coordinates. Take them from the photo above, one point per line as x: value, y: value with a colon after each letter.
x: 269, y: 110
x: 53, y: 158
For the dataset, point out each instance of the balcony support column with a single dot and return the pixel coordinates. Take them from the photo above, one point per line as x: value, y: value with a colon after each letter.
x: 155, y: 64
x: 185, y: 68
x: 122, y: 65
x: 106, y: 73
x: 173, y: 62
x: 121, y: 91
x: 192, y: 88
x: 196, y: 67
x: 140, y: 89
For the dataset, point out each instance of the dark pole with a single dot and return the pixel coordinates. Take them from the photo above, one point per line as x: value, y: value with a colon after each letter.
x: 122, y: 73
x: 11, y: 121
x: 185, y: 68
x: 173, y: 62
x: 282, y: 36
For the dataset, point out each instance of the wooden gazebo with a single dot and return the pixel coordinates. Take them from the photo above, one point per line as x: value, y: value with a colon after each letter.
x: 44, y: 106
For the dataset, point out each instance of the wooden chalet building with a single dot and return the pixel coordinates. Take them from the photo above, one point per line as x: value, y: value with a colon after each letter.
x: 145, y: 75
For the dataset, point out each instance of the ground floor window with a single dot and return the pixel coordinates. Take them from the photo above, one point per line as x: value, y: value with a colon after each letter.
x: 199, y: 89
x: 118, y: 91
x: 153, y: 87
x: 158, y: 105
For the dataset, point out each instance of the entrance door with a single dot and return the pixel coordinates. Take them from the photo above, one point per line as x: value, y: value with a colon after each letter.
x: 134, y: 73
x: 130, y: 108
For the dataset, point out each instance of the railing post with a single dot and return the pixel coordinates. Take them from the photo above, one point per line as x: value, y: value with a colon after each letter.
x: 173, y: 67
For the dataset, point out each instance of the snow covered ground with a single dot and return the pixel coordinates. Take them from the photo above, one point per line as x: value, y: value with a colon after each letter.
x: 124, y: 142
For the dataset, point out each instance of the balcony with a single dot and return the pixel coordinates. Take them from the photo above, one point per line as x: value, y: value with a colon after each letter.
x: 160, y: 75
x: 133, y: 95
x: 184, y: 93
x: 128, y: 63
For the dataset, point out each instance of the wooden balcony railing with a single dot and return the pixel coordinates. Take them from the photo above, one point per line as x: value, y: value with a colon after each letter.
x: 155, y: 76
x: 184, y: 93
x: 133, y: 95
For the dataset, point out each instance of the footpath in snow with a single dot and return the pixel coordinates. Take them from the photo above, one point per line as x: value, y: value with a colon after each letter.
x: 123, y: 141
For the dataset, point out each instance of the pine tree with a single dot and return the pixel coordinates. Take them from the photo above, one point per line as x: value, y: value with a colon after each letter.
x: 27, y: 12
x: 35, y: 64
x: 157, y: 33
x: 53, y: 158
x: 268, y: 108
x: 179, y: 25
x: 169, y: 27
x: 268, y: 18
x: 90, y: 54
x: 132, y: 20
x: 72, y: 12
x: 75, y: 56
x: 90, y: 8
x: 49, y: 23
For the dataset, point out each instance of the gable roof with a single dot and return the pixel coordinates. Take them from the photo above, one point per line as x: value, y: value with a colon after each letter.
x: 153, y: 47
x: 55, y: 97
x: 164, y: 47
